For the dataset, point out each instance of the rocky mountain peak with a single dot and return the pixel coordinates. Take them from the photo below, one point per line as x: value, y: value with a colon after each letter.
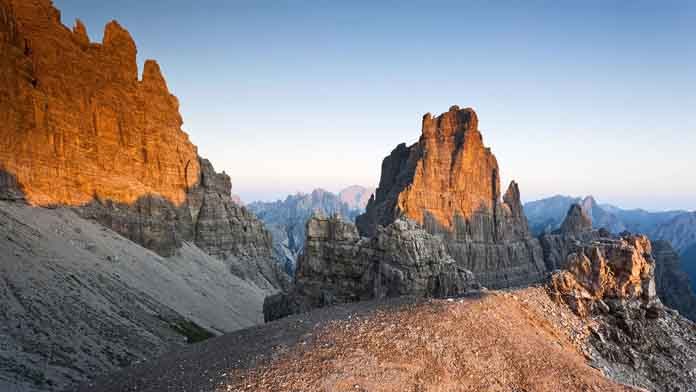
x: 576, y: 221
x: 447, y: 175
x: 449, y: 183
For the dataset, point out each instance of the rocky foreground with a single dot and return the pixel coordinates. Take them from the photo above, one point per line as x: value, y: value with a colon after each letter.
x: 520, y: 340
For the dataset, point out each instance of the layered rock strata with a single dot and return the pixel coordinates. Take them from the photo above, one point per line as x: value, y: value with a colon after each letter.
x: 449, y: 183
x: 338, y: 266
x: 79, y: 128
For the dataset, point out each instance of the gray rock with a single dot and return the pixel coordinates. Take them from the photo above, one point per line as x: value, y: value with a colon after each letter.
x: 338, y: 266
x: 674, y: 286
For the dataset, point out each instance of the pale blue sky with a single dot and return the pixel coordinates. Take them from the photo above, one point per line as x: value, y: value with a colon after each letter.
x: 586, y: 97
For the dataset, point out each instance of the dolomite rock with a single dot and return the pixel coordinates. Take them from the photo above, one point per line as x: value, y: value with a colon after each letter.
x: 614, y: 271
x: 95, y: 137
x: 449, y: 183
x: 674, y: 287
x: 610, y: 282
x: 338, y: 266
x: 575, y: 232
x: 92, y: 129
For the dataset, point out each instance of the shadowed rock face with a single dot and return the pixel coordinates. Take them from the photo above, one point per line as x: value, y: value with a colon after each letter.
x: 95, y: 137
x: 449, y: 183
x: 338, y: 266
x: 674, y: 286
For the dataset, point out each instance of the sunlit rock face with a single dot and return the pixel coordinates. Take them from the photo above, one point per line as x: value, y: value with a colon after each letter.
x: 78, y: 123
x: 80, y: 128
x: 449, y: 183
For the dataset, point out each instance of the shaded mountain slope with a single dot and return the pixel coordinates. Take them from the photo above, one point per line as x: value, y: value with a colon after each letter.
x: 79, y: 299
x: 679, y: 231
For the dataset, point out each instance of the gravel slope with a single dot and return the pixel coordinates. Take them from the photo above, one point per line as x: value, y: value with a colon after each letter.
x: 518, y: 341
x: 80, y: 300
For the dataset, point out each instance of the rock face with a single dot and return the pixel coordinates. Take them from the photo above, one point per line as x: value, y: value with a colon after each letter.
x: 96, y: 137
x: 449, y: 183
x: 674, y: 286
x: 633, y: 339
x: 608, y: 270
x: 338, y: 266
x: 93, y: 129
x: 567, y: 248
x: 287, y: 220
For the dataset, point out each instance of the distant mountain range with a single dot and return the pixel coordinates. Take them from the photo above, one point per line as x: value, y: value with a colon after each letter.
x: 546, y: 215
x: 286, y: 219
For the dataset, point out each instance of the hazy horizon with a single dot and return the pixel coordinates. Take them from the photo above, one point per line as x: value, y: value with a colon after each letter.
x: 573, y: 98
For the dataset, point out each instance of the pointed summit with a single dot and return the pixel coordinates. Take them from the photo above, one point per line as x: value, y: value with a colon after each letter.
x: 576, y: 221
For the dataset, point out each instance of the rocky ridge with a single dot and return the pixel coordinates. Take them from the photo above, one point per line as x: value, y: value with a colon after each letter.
x: 338, y: 266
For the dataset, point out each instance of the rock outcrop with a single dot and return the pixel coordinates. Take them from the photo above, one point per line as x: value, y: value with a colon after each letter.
x: 97, y: 138
x: 609, y: 271
x: 674, y: 287
x: 610, y: 282
x: 338, y: 266
x: 449, y: 183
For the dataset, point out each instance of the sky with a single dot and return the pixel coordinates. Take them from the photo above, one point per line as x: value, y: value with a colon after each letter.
x: 573, y: 97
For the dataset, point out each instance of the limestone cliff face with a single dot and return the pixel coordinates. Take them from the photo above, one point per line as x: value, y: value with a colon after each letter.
x: 79, y: 128
x: 78, y: 122
x: 449, y: 182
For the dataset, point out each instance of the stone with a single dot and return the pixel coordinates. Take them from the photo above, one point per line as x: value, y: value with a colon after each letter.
x: 610, y: 270
x: 674, y: 287
x: 339, y: 266
x: 94, y: 137
x: 449, y: 183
